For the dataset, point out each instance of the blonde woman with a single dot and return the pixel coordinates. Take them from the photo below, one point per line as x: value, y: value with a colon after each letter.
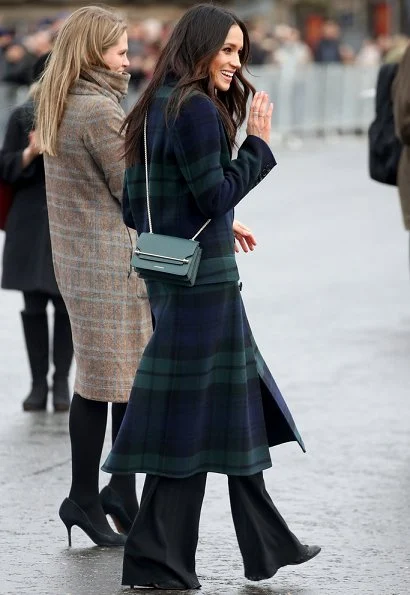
x: 78, y: 122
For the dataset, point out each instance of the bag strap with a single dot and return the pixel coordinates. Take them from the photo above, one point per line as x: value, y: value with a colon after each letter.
x: 147, y: 183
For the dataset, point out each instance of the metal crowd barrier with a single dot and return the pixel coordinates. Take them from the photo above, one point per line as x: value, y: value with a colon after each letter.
x: 325, y: 99
x: 314, y: 99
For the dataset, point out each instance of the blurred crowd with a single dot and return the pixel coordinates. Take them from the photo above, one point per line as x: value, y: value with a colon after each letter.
x: 283, y: 45
x: 280, y: 45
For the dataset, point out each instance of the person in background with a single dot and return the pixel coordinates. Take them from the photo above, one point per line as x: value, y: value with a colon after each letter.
x: 399, y: 44
x: 328, y: 48
x: 369, y: 53
x: 203, y: 399
x: 260, y: 48
x: 291, y: 56
x: 27, y: 259
x: 78, y: 124
x: 6, y: 39
x: 21, y: 57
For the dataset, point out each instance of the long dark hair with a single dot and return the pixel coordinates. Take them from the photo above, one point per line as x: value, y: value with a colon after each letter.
x: 196, y: 39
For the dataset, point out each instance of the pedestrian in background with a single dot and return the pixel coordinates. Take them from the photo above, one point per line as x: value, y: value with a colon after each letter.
x: 27, y: 259
x: 203, y: 399
x: 78, y: 129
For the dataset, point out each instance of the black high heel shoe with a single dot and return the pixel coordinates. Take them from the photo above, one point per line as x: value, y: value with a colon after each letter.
x: 71, y: 514
x: 112, y: 505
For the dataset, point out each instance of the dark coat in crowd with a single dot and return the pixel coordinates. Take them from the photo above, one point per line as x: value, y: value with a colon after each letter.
x: 27, y: 259
x: 21, y: 72
x: 328, y: 51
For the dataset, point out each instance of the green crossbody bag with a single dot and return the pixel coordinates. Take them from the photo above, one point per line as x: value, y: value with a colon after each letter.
x: 165, y: 258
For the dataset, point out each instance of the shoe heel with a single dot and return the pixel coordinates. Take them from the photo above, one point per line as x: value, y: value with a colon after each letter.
x: 68, y: 527
x: 68, y: 522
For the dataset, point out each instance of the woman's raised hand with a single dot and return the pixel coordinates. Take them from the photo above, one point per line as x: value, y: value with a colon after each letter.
x: 260, y: 116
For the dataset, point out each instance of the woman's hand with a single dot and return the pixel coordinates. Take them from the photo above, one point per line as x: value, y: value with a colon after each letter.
x: 243, y: 237
x: 31, y: 151
x: 260, y: 116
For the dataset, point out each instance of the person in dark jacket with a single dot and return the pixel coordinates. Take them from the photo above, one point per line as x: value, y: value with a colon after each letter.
x: 328, y: 49
x: 27, y: 262
x: 203, y: 399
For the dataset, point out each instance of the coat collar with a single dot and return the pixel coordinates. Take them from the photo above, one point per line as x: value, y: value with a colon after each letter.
x: 97, y: 81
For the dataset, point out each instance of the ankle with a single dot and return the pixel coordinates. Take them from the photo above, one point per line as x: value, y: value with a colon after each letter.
x: 83, y: 499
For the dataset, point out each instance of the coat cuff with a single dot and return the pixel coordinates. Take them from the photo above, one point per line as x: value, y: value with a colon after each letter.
x: 266, y: 157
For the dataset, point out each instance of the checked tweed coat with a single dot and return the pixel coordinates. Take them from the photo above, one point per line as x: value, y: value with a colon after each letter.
x: 108, y: 308
x: 203, y: 398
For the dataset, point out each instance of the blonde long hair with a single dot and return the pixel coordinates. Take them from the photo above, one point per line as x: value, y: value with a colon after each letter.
x: 80, y: 44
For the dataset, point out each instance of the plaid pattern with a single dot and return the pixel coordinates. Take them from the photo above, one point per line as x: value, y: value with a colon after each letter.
x: 193, y: 178
x: 203, y: 398
x: 108, y: 308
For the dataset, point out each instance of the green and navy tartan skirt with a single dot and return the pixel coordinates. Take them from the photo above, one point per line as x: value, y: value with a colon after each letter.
x: 203, y: 398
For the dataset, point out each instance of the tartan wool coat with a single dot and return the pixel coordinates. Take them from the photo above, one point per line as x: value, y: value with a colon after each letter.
x: 108, y: 307
x: 203, y: 399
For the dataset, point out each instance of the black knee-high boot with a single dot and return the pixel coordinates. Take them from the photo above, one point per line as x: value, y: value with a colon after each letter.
x: 35, y: 327
x: 119, y: 498
x: 87, y: 425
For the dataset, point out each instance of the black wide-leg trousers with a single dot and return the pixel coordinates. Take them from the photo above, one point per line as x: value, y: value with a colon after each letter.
x: 161, y: 546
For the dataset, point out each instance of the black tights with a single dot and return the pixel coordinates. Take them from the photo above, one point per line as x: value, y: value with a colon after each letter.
x: 35, y: 302
x: 87, y: 425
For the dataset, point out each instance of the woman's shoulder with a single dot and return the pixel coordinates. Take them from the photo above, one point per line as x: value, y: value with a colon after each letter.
x: 198, y: 101
x: 22, y: 110
x: 91, y: 108
x: 198, y: 116
x: 21, y: 117
x: 91, y: 101
x: 193, y: 100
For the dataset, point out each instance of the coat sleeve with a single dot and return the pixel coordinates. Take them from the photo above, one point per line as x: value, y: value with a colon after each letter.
x: 401, y: 99
x: 11, y: 154
x: 217, y: 185
x: 104, y: 142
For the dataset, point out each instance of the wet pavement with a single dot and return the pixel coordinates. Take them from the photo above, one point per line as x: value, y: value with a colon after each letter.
x: 328, y: 296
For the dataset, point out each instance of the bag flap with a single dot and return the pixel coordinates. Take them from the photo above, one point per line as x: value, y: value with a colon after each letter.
x: 166, y: 246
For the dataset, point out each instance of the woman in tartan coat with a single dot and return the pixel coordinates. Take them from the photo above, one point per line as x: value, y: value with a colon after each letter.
x: 203, y: 399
